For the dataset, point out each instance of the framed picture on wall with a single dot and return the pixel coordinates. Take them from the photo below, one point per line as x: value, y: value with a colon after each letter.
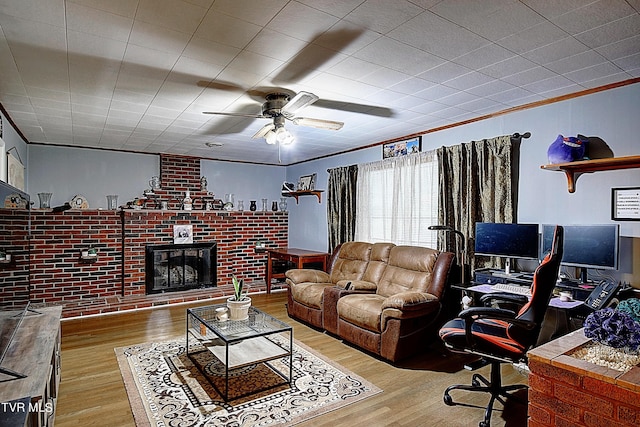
x: 402, y: 148
x: 15, y: 171
x: 625, y: 204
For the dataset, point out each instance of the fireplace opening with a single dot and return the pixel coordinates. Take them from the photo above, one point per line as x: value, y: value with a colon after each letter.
x: 180, y: 267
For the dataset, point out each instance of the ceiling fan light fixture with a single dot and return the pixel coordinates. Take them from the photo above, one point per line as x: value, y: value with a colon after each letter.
x: 270, y: 137
x: 283, y: 136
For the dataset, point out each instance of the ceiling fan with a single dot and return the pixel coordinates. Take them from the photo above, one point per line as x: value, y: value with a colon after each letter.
x: 280, y: 107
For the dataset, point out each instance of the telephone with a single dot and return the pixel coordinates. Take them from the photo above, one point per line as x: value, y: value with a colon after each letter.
x: 602, y: 295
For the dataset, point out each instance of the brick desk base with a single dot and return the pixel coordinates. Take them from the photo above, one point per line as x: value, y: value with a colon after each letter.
x: 566, y: 391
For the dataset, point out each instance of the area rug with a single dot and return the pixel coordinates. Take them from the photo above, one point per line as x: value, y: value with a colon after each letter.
x: 166, y: 388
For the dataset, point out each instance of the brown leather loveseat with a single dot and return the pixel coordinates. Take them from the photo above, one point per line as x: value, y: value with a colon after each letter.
x: 384, y: 298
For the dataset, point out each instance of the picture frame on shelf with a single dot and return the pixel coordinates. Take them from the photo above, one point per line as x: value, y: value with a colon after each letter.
x: 307, y: 182
x: 402, y: 148
x: 625, y: 204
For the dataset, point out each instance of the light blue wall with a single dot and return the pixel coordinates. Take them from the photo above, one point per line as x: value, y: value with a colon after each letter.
x: 613, y: 115
x: 67, y: 172
x: 246, y: 182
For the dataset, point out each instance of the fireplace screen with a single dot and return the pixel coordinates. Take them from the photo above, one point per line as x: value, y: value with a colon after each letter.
x: 180, y: 267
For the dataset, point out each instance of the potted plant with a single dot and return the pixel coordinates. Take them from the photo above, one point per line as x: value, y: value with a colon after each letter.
x: 239, y: 303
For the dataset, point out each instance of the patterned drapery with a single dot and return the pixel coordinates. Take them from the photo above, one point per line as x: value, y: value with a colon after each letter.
x: 478, y: 183
x: 341, y: 204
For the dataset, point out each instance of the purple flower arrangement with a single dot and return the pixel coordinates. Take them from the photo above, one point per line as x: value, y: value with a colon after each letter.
x: 615, y: 328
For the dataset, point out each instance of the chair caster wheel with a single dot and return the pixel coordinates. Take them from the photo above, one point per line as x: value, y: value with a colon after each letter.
x: 475, y: 383
x: 483, y: 424
x: 448, y: 400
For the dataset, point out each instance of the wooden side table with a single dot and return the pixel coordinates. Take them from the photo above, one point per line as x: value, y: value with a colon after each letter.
x: 299, y: 257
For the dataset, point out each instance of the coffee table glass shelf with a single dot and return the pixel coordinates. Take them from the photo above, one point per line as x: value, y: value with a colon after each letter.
x: 240, y: 343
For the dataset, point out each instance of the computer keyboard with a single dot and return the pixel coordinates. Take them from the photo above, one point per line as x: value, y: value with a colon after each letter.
x: 512, y: 289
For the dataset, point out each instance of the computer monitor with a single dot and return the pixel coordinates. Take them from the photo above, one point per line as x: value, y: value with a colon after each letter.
x: 507, y: 241
x: 586, y: 246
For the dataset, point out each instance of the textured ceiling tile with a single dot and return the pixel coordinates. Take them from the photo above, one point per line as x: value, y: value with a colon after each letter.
x: 593, y: 15
x: 97, y: 22
x: 173, y: 14
x: 612, y: 32
x: 435, y: 35
x: 301, y: 21
x: 383, y: 16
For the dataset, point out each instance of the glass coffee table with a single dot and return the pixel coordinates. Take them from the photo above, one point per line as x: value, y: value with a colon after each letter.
x: 238, y: 344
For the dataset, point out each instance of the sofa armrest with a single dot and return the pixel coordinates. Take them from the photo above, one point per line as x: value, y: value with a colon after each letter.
x: 359, y: 285
x: 306, y: 275
x: 408, y: 305
x: 410, y: 301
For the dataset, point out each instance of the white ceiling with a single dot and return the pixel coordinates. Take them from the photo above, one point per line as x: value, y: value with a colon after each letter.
x: 136, y: 75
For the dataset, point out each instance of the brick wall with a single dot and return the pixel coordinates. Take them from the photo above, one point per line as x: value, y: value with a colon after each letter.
x: 14, y: 275
x: 565, y: 391
x: 59, y: 275
x: 234, y: 232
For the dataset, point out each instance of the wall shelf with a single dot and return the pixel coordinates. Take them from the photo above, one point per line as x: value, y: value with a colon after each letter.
x: 574, y: 169
x: 296, y: 194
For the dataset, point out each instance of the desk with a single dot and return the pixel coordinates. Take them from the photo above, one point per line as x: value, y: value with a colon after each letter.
x: 299, y: 257
x: 557, y: 321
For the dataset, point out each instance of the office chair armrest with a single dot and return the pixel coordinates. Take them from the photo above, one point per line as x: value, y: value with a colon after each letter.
x: 504, y: 297
x: 475, y: 313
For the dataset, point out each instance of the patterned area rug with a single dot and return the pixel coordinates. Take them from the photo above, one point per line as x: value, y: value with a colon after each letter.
x: 166, y: 388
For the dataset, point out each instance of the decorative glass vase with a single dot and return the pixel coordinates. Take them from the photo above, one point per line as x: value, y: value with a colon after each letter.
x: 45, y: 200
x: 252, y: 206
x: 283, y: 204
x: 264, y: 205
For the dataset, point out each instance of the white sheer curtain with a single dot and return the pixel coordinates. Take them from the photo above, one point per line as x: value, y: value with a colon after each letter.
x: 397, y: 199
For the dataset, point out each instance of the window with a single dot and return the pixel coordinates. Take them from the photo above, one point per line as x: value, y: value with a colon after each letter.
x: 397, y: 199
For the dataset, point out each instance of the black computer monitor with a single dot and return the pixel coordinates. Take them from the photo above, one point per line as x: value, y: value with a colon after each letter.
x: 507, y: 241
x: 586, y: 246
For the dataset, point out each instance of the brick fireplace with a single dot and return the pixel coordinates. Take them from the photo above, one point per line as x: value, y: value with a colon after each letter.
x: 60, y: 275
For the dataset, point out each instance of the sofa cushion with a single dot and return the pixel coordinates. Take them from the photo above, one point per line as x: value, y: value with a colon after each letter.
x: 362, y: 310
x: 351, y: 262
x: 309, y: 294
x: 378, y: 262
x: 409, y: 268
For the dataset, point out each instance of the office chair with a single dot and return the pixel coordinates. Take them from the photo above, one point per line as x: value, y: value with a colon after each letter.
x: 500, y: 335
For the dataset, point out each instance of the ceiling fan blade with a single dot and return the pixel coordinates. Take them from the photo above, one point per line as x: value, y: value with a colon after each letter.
x: 301, y: 100
x: 262, y: 132
x: 317, y: 123
x: 251, y: 116
x: 371, y: 110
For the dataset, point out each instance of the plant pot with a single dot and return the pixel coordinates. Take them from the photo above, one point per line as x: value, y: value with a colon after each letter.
x: 239, y: 310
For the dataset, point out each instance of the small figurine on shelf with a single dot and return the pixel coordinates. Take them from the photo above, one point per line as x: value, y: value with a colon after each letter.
x: 203, y: 183
x: 187, y: 203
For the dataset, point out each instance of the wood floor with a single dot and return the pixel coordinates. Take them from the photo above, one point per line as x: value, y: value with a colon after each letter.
x: 92, y: 391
